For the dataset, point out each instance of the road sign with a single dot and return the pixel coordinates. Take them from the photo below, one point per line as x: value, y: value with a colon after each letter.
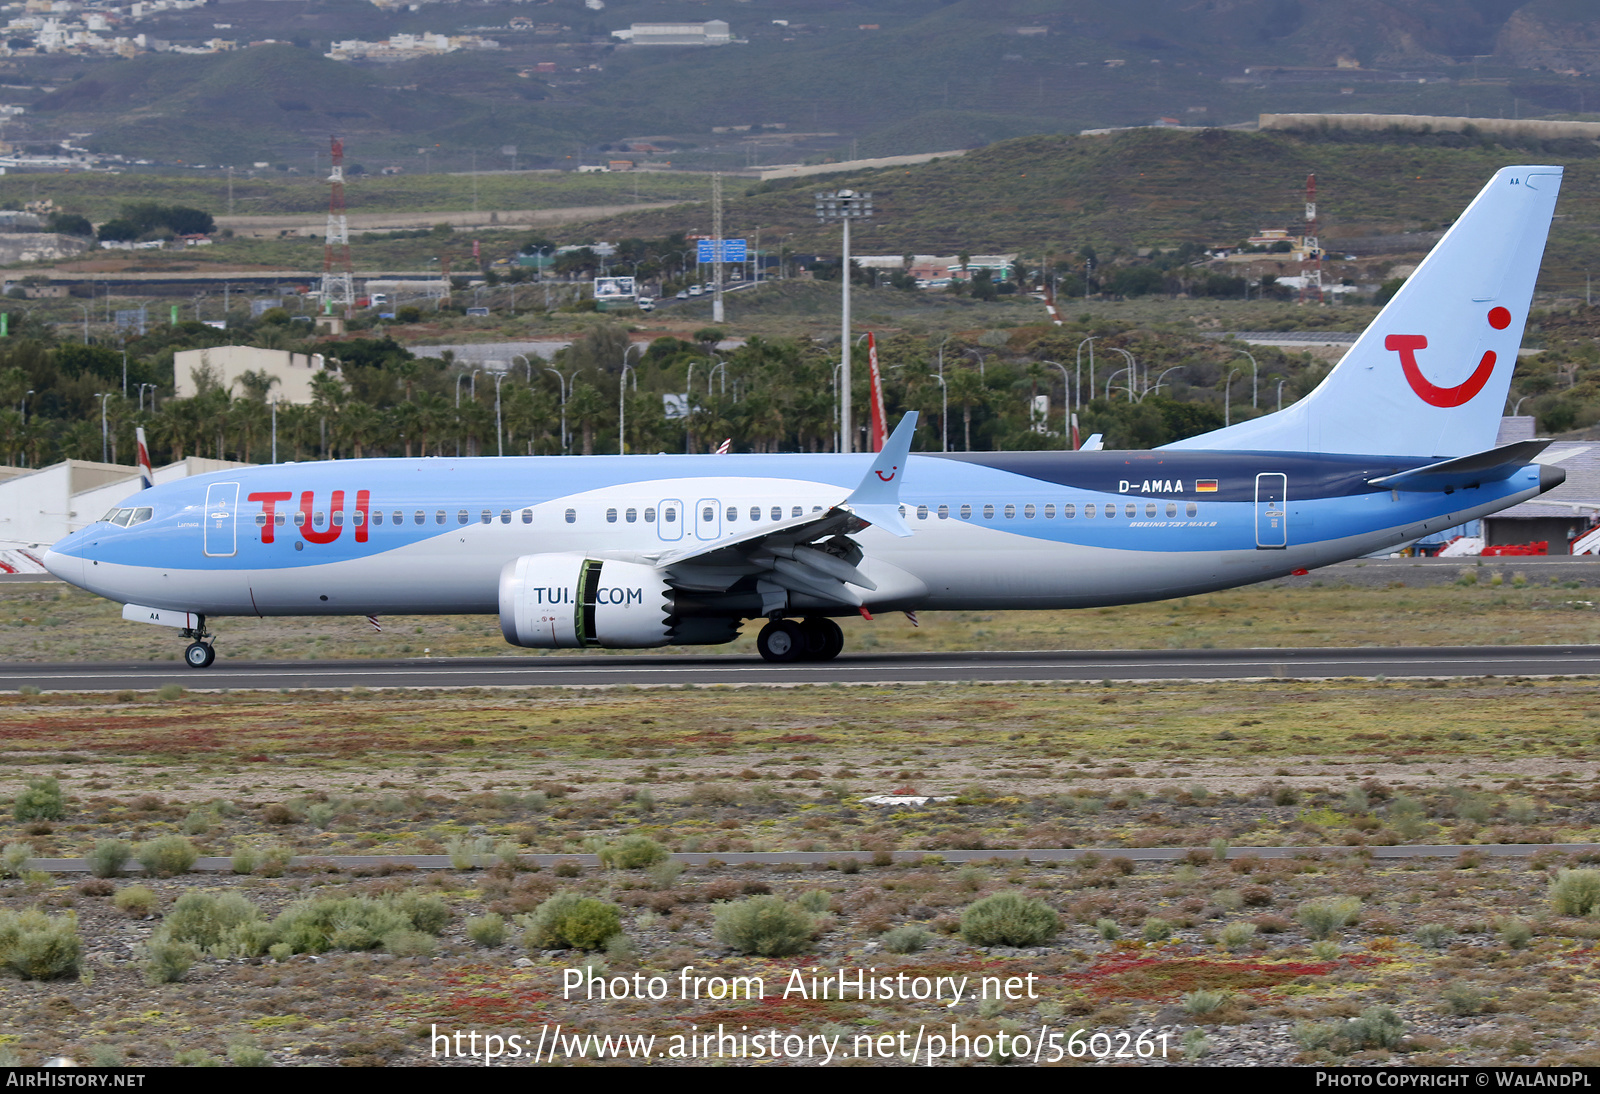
x: 733, y: 250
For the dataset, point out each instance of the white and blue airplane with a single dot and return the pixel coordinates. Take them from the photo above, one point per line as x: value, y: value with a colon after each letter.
x: 641, y: 551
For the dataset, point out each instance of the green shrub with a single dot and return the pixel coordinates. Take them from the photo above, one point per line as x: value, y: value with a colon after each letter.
x: 1322, y: 918
x: 225, y: 926
x: 906, y: 939
x: 1236, y: 936
x: 1377, y: 1027
x: 244, y: 1054
x: 40, y: 947
x: 1463, y: 1000
x: 764, y: 925
x: 425, y: 911
x: 167, y: 856
x: 409, y: 943
x: 488, y: 930
x: 469, y: 853
x: 14, y: 858
x: 244, y: 859
x: 815, y: 901
x: 633, y: 853
x: 1575, y: 892
x: 41, y: 800
x: 665, y: 874
x: 337, y: 923
x: 1204, y: 1002
x: 1434, y: 935
x: 136, y: 900
x: 1515, y: 933
x: 166, y: 961
x: 571, y: 920
x: 1108, y: 929
x: 1155, y: 929
x: 1009, y: 919
x: 108, y: 857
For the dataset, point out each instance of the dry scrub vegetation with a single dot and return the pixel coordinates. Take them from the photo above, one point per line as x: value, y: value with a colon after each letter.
x: 1328, y: 956
x: 1343, y: 606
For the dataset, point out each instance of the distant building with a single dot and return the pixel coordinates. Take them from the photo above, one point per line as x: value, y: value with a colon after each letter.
x: 226, y: 364
x: 713, y: 32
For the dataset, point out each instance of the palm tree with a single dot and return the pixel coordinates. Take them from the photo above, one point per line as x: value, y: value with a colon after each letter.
x: 967, y: 391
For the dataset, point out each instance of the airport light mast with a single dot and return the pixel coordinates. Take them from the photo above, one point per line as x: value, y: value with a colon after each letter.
x: 844, y: 206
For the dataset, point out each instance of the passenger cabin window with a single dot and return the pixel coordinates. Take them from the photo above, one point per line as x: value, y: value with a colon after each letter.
x: 1130, y: 510
x: 755, y: 512
x: 1049, y: 512
x: 261, y: 520
x: 420, y: 517
x: 966, y: 512
x: 649, y: 516
x: 797, y: 511
x: 1070, y: 511
x: 632, y: 515
x: 1088, y: 511
x: 1193, y: 508
x: 377, y: 518
x: 461, y: 516
x: 669, y: 515
x: 572, y: 516
x: 527, y: 516
x: 398, y: 517
x: 338, y: 518
x: 318, y: 518
x: 438, y: 517
x: 611, y: 516
x: 733, y: 513
x: 988, y: 512
x: 777, y: 512
x: 708, y: 514
x: 505, y: 516
x: 1149, y: 508
x: 300, y: 519
x: 1011, y: 512
x: 486, y: 517
x: 277, y: 519
x: 1172, y: 508
x: 944, y: 512
x: 922, y: 512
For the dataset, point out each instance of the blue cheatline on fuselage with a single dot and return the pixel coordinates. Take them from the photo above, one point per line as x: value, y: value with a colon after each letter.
x: 1180, y: 502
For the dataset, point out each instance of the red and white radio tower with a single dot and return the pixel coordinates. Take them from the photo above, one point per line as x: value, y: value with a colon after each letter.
x: 1312, y: 271
x: 337, y: 287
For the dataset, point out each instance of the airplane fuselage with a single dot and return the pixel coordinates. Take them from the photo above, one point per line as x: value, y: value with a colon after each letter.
x: 989, y: 531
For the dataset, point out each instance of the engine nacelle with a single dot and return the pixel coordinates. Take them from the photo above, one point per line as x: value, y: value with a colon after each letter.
x: 562, y: 601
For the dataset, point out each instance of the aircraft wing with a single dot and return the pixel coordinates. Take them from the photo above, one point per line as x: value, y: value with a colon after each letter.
x: 790, y: 556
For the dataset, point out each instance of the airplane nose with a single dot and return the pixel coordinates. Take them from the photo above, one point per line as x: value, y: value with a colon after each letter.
x: 68, y: 568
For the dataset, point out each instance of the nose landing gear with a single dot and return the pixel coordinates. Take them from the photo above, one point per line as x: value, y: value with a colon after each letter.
x: 200, y: 653
x: 815, y: 639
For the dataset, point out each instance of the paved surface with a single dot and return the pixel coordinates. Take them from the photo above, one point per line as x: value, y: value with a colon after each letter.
x: 661, y: 671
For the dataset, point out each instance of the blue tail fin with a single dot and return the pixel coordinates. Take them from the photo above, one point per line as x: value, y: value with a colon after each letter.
x: 1429, y: 376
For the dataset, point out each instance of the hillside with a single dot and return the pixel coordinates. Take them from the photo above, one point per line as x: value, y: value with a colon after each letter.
x: 1052, y: 195
x: 827, y: 78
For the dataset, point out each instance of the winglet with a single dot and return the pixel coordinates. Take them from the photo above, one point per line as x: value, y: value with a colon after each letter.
x: 877, y: 499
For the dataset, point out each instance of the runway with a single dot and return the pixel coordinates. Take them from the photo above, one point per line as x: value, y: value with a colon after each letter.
x: 655, y: 670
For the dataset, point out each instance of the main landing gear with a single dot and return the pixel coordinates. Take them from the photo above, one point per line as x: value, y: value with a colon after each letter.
x: 816, y: 639
x: 200, y: 653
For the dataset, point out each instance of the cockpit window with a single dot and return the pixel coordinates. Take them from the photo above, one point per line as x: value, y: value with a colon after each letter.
x: 122, y: 517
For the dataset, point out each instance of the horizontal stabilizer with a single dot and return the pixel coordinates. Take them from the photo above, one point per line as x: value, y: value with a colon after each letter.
x: 1463, y: 471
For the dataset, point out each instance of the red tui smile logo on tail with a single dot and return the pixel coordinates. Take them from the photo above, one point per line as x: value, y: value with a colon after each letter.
x: 1406, y: 345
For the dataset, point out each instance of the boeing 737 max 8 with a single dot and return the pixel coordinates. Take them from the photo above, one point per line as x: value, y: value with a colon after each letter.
x: 637, y: 551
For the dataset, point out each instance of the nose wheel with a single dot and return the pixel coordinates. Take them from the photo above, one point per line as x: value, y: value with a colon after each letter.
x: 200, y: 653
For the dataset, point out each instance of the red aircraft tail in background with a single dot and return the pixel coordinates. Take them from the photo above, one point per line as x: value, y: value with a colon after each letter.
x: 879, y: 432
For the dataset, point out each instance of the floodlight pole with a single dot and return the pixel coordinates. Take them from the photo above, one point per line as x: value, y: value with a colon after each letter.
x: 844, y: 206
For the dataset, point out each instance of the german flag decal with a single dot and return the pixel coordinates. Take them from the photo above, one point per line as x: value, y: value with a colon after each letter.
x: 1205, y: 486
